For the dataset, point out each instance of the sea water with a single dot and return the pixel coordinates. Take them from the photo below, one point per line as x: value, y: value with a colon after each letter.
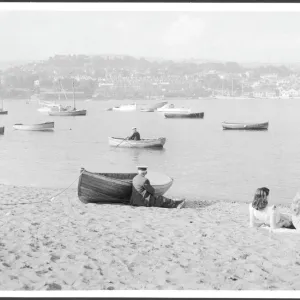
x: 205, y: 161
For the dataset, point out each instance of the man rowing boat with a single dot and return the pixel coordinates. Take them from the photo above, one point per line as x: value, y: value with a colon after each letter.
x: 143, y: 193
x: 135, y: 135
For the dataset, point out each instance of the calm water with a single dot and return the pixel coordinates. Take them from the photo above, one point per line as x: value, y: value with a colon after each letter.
x: 205, y: 161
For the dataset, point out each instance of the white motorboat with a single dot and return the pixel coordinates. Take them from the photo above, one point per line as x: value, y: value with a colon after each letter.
x: 172, y: 108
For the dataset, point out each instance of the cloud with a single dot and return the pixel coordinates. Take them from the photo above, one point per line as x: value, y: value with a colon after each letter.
x: 185, y: 30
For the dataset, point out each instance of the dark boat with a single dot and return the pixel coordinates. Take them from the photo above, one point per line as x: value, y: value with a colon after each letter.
x: 184, y: 115
x: 112, y: 187
x: 2, y: 111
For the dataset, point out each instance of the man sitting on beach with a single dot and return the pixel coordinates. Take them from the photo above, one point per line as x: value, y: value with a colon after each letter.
x: 143, y: 193
x: 135, y: 135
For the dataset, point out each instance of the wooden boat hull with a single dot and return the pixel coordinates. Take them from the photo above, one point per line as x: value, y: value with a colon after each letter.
x: 67, y: 113
x: 184, y: 115
x: 2, y: 130
x: 35, y: 127
x: 3, y: 112
x: 245, y: 126
x: 143, y: 143
x: 111, y: 187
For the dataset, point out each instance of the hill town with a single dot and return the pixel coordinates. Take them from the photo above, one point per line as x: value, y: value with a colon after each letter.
x: 124, y: 77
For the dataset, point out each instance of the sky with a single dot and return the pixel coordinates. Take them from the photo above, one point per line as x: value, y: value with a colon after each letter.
x: 224, y: 36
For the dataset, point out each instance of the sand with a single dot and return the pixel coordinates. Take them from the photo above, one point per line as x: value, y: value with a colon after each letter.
x: 66, y: 245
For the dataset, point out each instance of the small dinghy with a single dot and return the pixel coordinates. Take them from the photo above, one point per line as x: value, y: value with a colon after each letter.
x: 35, y: 127
x: 245, y: 126
x: 2, y: 130
x: 184, y: 115
x: 115, y: 187
x: 143, y: 143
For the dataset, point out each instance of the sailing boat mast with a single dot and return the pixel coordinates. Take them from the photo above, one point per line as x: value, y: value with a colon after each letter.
x: 59, y: 90
x: 73, y: 93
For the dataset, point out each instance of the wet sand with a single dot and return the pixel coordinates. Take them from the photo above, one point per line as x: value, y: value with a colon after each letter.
x: 66, y: 245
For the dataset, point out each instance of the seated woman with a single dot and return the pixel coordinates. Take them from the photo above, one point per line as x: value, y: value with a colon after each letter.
x: 295, y: 207
x: 262, y: 213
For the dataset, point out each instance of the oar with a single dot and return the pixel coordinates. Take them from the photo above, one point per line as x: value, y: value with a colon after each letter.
x: 121, y: 142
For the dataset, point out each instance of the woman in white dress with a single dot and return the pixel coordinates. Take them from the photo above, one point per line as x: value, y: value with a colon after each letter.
x: 263, y: 214
x: 295, y: 207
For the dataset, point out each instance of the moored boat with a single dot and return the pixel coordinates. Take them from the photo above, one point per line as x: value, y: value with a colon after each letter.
x: 64, y: 112
x: 2, y: 130
x: 172, y: 108
x: 125, y: 107
x: 2, y: 111
x: 147, y: 110
x: 180, y: 115
x: 143, y: 143
x: 245, y: 126
x: 155, y: 106
x: 47, y: 106
x: 35, y: 127
x: 115, y: 187
x: 67, y: 111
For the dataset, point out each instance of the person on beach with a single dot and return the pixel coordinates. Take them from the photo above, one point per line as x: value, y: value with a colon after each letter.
x: 143, y: 193
x: 135, y: 135
x: 262, y: 213
x: 295, y: 207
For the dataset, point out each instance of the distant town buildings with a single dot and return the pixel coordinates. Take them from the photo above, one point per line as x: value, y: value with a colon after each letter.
x: 123, y: 77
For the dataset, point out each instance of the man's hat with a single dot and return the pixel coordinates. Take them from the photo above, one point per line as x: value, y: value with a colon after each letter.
x: 142, y: 168
x: 133, y: 128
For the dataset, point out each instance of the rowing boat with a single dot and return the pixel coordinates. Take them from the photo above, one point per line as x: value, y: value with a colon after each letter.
x: 184, y: 115
x: 115, y: 187
x: 2, y: 130
x: 245, y: 126
x: 143, y: 143
x: 35, y: 127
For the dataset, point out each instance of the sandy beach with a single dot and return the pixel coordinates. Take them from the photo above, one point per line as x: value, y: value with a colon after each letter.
x: 66, y: 245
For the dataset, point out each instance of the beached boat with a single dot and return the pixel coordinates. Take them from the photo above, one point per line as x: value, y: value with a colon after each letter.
x: 180, y: 115
x: 115, y: 187
x: 2, y: 111
x: 245, y: 126
x: 126, y: 107
x: 2, y: 130
x: 172, y: 108
x: 143, y: 143
x: 35, y: 127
